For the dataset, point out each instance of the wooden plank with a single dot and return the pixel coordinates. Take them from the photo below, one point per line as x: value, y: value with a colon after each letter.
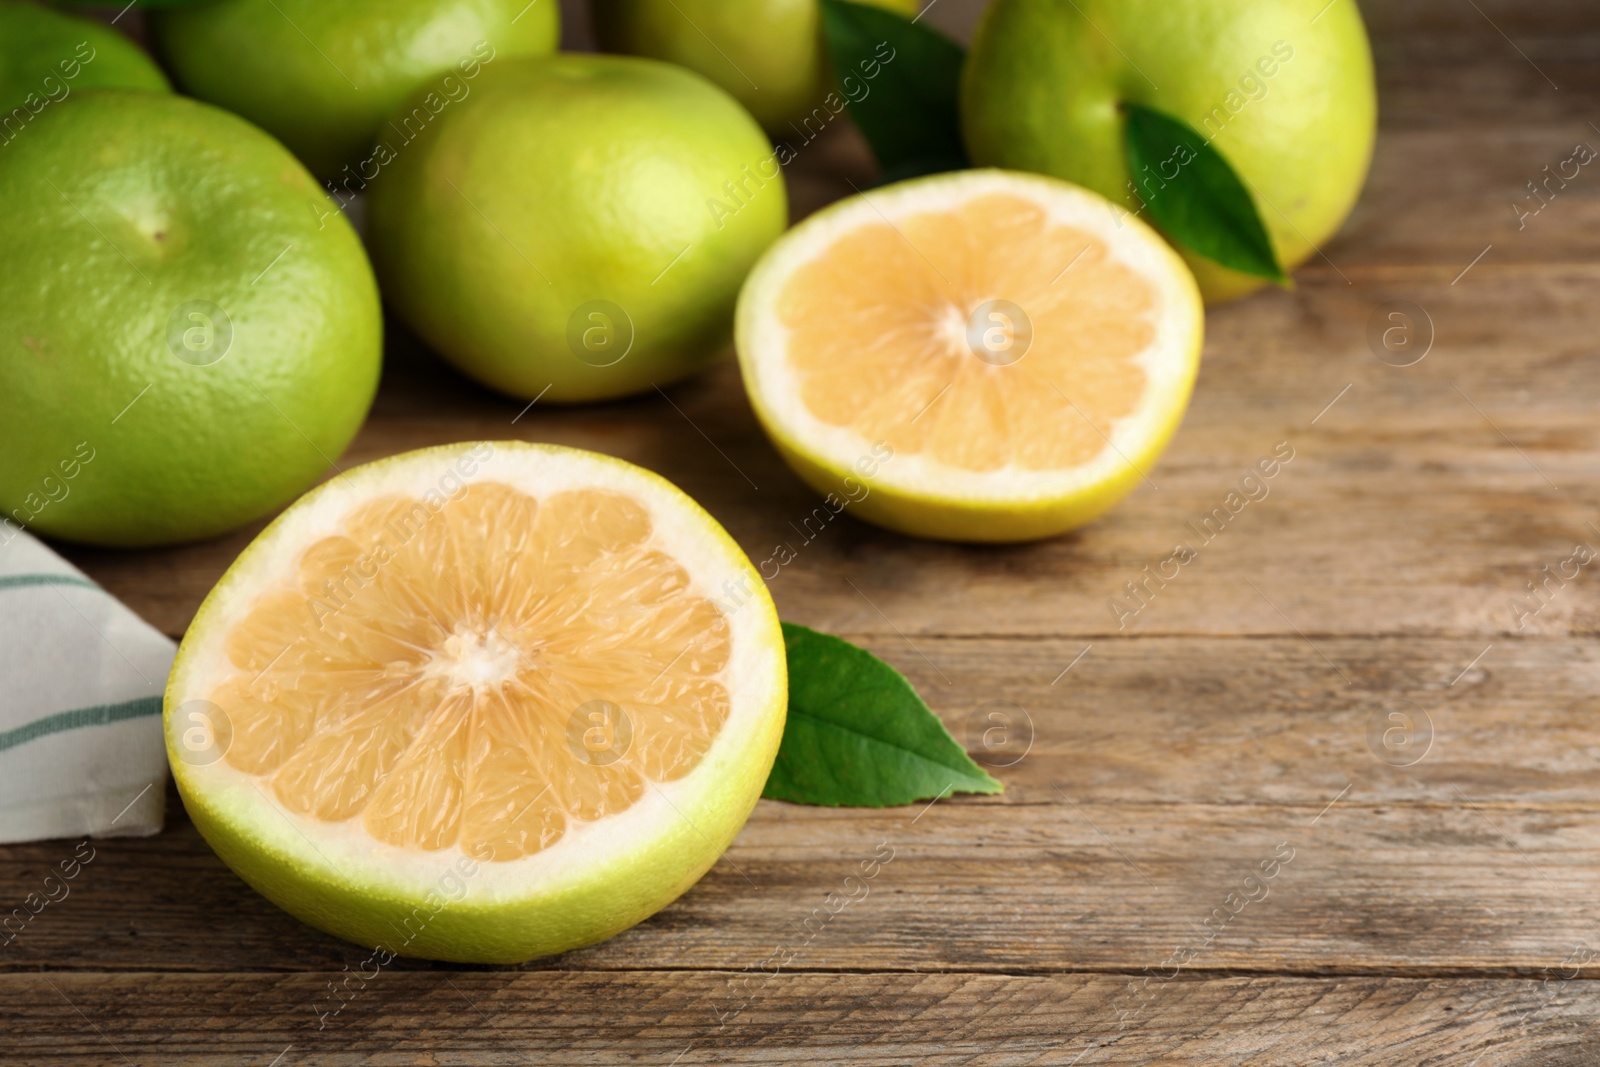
x: 1481, y: 18
x: 1190, y: 754
x: 1422, y: 208
x: 661, y: 1018
x: 1459, y: 878
x: 1470, y: 76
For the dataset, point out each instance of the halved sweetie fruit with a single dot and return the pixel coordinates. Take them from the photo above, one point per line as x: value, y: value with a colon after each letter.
x: 481, y: 703
x: 977, y: 356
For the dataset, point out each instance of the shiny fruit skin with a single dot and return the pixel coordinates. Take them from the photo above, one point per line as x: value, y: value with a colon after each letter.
x: 769, y: 54
x: 46, y: 56
x: 579, y: 227
x: 1289, y: 102
x: 125, y: 419
x: 323, y: 75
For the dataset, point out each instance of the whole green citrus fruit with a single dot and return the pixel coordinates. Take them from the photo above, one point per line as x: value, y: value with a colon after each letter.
x: 323, y: 76
x: 768, y: 53
x: 46, y: 56
x: 579, y: 227
x: 189, y: 332
x: 1282, y: 88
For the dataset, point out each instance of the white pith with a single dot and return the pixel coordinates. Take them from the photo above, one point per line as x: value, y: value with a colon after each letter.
x: 1169, y: 362
x: 718, y: 570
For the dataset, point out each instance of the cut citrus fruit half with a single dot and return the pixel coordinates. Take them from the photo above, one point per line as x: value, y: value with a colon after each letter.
x: 977, y: 356
x: 480, y: 703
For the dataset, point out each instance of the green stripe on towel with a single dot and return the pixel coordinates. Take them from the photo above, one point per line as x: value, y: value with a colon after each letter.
x: 22, y: 581
x: 61, y: 721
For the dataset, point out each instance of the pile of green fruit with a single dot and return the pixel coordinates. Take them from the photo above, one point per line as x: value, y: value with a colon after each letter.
x: 183, y: 296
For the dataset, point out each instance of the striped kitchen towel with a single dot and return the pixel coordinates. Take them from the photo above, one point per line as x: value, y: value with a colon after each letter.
x: 81, y: 676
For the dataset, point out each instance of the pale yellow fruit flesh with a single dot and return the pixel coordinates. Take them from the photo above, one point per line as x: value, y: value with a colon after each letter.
x: 912, y: 379
x: 440, y: 711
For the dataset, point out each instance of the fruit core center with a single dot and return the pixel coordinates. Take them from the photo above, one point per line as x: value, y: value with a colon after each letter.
x: 950, y: 325
x: 475, y: 659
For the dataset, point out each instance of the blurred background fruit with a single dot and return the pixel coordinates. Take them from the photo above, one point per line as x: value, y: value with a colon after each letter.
x: 1284, y: 90
x: 322, y: 77
x: 579, y: 227
x: 767, y: 53
x: 46, y: 56
x: 189, y: 332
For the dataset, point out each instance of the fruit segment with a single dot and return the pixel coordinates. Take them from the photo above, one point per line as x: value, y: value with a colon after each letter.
x: 889, y: 336
x: 481, y: 676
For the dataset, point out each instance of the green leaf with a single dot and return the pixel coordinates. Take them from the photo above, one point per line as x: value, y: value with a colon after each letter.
x: 859, y: 736
x: 901, y: 81
x: 1195, y: 196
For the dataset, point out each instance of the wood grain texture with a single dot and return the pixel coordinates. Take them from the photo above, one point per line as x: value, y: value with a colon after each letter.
x: 1370, y: 888
x: 884, y: 1020
x: 1114, y: 906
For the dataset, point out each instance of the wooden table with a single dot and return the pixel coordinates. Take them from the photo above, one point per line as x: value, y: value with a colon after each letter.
x: 1431, y: 901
